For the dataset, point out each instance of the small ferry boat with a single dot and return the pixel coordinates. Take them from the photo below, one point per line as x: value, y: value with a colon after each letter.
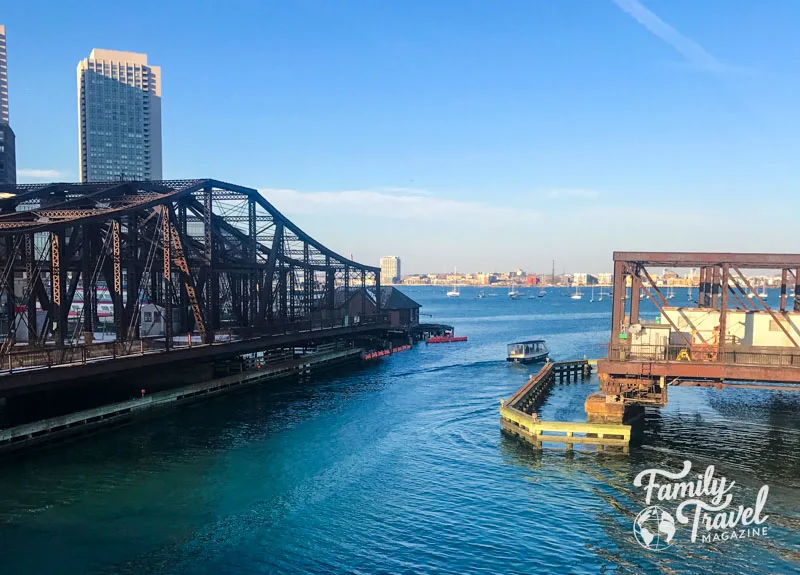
x: 531, y: 351
x: 513, y: 293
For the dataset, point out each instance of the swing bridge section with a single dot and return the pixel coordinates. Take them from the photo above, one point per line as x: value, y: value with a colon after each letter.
x: 728, y: 332
x: 87, y: 271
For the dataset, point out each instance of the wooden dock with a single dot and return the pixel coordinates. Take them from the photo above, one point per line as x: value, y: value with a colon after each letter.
x: 518, y: 417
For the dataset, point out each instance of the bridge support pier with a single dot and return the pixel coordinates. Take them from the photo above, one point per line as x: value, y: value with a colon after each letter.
x: 602, y: 408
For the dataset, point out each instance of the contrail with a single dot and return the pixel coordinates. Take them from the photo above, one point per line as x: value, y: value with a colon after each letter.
x: 688, y: 48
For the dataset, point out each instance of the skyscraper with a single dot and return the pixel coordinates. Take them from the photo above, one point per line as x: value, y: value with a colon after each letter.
x: 8, y: 163
x: 390, y: 270
x: 119, y: 114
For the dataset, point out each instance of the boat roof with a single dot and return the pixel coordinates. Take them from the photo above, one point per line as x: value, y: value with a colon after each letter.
x: 528, y: 341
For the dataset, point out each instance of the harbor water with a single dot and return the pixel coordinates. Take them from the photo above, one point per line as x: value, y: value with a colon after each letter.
x: 399, y: 466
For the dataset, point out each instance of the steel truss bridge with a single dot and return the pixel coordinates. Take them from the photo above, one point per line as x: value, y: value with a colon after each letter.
x: 220, y: 263
x: 638, y: 371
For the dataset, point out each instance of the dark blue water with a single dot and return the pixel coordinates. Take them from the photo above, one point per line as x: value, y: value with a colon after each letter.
x: 399, y: 467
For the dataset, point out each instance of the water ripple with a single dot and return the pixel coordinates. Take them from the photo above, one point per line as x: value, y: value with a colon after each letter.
x: 398, y: 467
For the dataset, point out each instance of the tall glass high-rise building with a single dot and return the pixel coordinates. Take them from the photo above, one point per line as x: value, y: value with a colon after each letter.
x: 119, y: 114
x: 8, y: 164
x: 390, y: 270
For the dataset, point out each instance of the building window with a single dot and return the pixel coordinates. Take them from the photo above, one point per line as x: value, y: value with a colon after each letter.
x: 148, y: 317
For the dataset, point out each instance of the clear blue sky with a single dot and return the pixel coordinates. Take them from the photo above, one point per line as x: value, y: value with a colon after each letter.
x: 478, y: 134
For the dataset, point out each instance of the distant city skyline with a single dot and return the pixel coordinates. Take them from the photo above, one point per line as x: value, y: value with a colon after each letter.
x: 487, y: 138
x: 668, y: 278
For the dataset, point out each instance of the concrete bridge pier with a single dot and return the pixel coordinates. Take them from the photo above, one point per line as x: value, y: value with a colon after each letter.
x: 603, y: 408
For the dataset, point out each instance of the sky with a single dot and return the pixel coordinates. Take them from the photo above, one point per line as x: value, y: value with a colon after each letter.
x: 468, y: 134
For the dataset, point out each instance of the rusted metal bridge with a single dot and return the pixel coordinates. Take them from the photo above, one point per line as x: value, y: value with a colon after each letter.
x: 729, y: 336
x: 215, y: 267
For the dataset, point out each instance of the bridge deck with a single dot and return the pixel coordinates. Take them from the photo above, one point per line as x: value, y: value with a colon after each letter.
x: 50, y: 371
x: 699, y: 370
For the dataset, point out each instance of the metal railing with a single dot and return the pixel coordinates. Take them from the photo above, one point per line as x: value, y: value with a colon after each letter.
x: 49, y: 357
x: 703, y: 353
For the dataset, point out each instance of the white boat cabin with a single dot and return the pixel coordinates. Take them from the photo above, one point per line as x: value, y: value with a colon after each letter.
x: 533, y: 350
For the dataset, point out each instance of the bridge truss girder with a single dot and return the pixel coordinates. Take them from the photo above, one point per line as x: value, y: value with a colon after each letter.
x: 211, y: 255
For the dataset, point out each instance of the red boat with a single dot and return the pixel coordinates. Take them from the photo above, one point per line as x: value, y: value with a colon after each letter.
x: 445, y: 339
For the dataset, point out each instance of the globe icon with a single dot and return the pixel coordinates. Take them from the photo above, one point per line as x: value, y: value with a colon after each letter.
x: 654, y: 528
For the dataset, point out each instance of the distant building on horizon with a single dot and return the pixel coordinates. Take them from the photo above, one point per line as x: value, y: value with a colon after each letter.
x: 119, y: 115
x: 390, y: 270
x: 8, y: 153
x: 605, y: 279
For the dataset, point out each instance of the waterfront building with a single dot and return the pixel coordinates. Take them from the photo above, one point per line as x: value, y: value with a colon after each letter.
x: 403, y: 311
x: 584, y: 279
x: 390, y: 270
x: 8, y: 163
x: 416, y: 280
x: 119, y: 115
x: 604, y: 279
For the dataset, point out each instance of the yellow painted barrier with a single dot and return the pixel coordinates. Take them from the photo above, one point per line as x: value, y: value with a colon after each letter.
x: 537, y: 432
